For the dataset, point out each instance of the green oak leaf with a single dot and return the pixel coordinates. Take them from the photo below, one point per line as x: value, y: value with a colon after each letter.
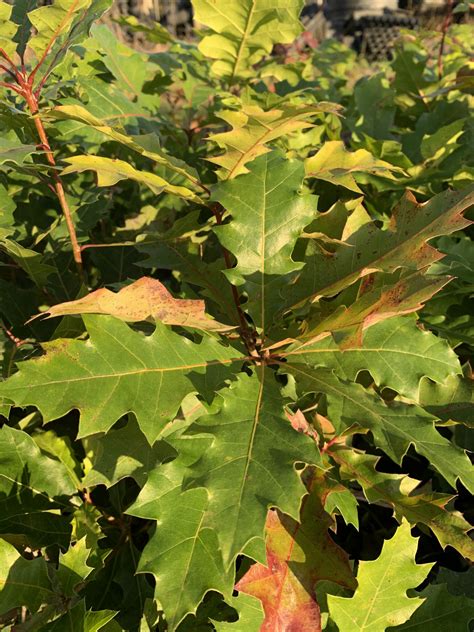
x: 120, y: 453
x: 439, y: 612
x: 33, y: 488
x: 367, y: 249
x: 417, y: 505
x: 115, y: 372
x: 269, y: 212
x: 451, y: 401
x: 245, y: 31
x: 381, y: 600
x: 30, y: 260
x: 397, y: 353
x: 22, y: 582
x: 250, y: 615
x: 249, y: 467
x: 395, y: 425
x: 254, y: 128
x: 184, y: 550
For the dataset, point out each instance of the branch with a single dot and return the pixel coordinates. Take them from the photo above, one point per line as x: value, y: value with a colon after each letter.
x: 58, y: 185
x: 446, y: 24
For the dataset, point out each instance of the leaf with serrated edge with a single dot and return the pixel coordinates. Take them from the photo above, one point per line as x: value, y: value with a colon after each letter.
x: 268, y: 214
x: 396, y: 352
x: 418, y: 506
x: 395, y: 426
x: 368, y: 249
x: 381, y: 600
x: 115, y: 372
x: 298, y: 556
x: 245, y: 31
x: 249, y: 466
x: 144, y: 299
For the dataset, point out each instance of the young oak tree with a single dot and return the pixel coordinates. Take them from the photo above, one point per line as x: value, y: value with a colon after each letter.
x: 267, y: 429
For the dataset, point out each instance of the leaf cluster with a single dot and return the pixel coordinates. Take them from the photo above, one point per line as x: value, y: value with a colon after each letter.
x: 236, y: 327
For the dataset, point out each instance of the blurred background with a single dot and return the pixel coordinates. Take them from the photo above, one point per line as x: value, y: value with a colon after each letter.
x: 369, y: 26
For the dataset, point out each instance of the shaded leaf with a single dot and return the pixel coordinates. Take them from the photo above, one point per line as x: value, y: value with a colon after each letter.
x: 415, y: 504
x: 32, y: 488
x: 395, y: 425
x: 439, y: 612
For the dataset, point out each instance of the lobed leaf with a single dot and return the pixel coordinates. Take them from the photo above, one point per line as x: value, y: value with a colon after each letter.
x: 245, y: 32
x: 144, y: 299
x: 397, y: 353
x: 115, y: 372
x: 249, y: 466
x: 298, y: 556
x: 395, y: 425
x: 253, y: 128
x: 380, y: 600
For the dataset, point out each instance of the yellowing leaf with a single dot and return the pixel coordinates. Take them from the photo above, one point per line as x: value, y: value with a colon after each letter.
x: 144, y: 299
x: 245, y: 31
x: 80, y: 114
x: 7, y: 30
x: 337, y: 165
x: 110, y: 171
x: 253, y: 128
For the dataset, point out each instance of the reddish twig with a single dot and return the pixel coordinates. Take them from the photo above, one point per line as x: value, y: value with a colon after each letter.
x: 18, y: 342
x: 32, y: 102
x: 446, y: 24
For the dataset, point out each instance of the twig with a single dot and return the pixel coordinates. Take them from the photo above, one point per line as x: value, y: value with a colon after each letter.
x: 446, y: 24
x: 32, y: 102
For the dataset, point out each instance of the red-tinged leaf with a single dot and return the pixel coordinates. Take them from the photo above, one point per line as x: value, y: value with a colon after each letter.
x: 374, y: 305
x: 298, y: 556
x: 144, y: 299
x: 300, y: 424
